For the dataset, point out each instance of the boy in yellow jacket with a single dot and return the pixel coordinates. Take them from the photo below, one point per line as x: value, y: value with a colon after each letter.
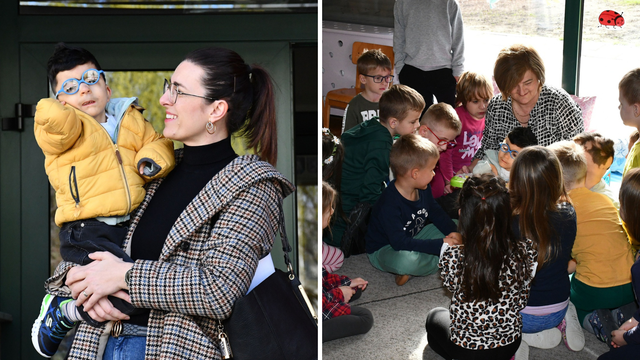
x: 99, y: 154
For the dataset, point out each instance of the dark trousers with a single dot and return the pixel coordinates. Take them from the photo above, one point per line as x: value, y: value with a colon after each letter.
x: 80, y: 238
x: 359, y: 322
x: 440, y: 83
x: 438, y: 335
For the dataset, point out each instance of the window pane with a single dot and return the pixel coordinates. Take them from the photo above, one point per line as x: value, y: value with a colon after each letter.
x: 608, y: 52
x: 117, y: 7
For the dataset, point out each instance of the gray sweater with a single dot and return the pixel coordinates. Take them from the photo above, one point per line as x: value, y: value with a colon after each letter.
x: 428, y: 34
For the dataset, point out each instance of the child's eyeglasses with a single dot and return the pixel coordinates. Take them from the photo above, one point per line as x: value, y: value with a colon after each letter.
x: 174, y: 92
x: 504, y: 147
x: 71, y: 86
x: 451, y: 143
x: 379, y: 78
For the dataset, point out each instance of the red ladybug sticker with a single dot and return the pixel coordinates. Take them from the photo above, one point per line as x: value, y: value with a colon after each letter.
x: 610, y: 18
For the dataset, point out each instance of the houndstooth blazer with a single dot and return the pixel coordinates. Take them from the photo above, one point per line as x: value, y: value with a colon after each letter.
x: 202, y: 269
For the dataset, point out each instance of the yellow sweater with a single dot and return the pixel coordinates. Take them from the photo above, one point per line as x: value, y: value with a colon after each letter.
x: 601, y: 250
x: 91, y: 175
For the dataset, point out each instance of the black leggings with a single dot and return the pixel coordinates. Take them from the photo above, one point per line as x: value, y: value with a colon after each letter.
x: 627, y: 352
x: 438, y: 335
x: 359, y: 322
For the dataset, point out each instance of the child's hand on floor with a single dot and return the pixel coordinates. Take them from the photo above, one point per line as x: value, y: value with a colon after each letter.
x: 359, y: 283
x: 347, y: 292
x: 453, y: 239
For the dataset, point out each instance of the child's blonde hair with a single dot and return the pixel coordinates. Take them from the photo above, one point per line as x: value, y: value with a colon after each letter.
x: 411, y: 151
x: 328, y: 197
x: 371, y: 60
x: 536, y: 186
x: 572, y: 160
x: 441, y: 114
x: 398, y: 101
x: 630, y: 86
x: 472, y: 86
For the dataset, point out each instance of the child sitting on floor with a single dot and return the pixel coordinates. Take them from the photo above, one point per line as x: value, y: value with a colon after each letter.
x: 339, y: 318
x: 544, y: 215
x: 599, y: 153
x: 489, y: 275
x: 406, y: 229
x: 626, y: 339
x: 602, y: 255
x: 365, y: 170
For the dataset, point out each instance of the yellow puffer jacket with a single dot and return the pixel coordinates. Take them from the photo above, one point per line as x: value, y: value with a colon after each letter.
x: 91, y: 175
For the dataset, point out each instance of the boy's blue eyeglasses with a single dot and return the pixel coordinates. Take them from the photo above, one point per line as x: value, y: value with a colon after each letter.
x: 71, y: 86
x: 379, y: 78
x: 504, y: 147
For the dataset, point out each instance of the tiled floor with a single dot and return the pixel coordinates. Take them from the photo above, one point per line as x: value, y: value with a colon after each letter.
x: 399, y: 316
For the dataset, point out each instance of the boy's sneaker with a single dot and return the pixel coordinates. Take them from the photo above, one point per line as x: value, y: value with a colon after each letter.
x: 545, y: 339
x: 51, y: 326
x: 603, y: 324
x: 624, y: 313
x: 571, y: 330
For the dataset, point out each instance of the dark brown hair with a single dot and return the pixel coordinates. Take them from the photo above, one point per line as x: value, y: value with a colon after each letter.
x: 249, y: 92
x: 537, y: 186
x: 371, y: 60
x: 601, y: 147
x: 489, y: 242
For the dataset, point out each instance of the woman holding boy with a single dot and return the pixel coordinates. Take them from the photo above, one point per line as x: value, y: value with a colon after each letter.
x: 199, y: 234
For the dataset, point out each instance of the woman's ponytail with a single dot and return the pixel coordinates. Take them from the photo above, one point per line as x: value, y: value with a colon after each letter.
x: 261, y: 127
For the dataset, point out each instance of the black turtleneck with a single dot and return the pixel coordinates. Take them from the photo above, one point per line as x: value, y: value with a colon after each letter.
x: 198, y: 165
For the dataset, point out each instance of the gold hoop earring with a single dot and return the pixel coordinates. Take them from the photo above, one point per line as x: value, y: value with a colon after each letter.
x: 211, y: 127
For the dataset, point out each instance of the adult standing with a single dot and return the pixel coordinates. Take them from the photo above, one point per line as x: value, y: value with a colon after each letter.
x: 526, y: 101
x: 199, y: 234
x: 428, y: 46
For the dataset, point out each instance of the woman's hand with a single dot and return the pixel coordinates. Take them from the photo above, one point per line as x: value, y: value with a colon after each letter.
x: 103, y: 310
x: 104, y: 276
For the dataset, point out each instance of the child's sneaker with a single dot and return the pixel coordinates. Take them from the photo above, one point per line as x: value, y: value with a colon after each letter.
x: 51, y: 326
x: 603, y: 324
x: 546, y: 339
x: 624, y: 313
x: 571, y: 330
x: 523, y: 352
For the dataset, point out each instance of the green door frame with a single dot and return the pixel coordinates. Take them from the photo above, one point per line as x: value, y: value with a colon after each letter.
x: 572, y: 45
x: 133, y: 43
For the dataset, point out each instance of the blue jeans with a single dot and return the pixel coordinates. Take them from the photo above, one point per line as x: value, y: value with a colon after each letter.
x: 534, y: 323
x: 125, y: 348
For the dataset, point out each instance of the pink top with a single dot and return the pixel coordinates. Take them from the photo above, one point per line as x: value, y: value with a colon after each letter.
x: 468, y: 141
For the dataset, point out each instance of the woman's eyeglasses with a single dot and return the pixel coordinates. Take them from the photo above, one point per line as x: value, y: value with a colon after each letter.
x: 451, y: 143
x: 504, y: 147
x: 379, y: 78
x: 71, y: 86
x: 174, y: 92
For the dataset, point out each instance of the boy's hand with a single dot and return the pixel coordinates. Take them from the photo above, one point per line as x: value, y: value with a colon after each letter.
x: 463, y: 170
x: 359, y: 283
x: 447, y: 189
x: 62, y: 102
x: 347, y: 292
x: 142, y: 165
x: 617, y: 338
x: 454, y: 238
